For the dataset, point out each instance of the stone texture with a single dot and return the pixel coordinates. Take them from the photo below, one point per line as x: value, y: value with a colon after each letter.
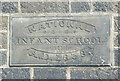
x: 0, y: 74
x: 94, y: 73
x: 57, y: 72
x: 3, y: 22
x: 80, y: 41
x: 117, y: 57
x: 3, y: 58
x: 15, y: 73
x: 0, y: 7
x: 117, y: 23
x: 80, y: 7
x: 105, y: 6
x: 3, y: 40
x: 117, y: 39
x: 49, y: 73
x: 9, y: 7
x: 44, y: 7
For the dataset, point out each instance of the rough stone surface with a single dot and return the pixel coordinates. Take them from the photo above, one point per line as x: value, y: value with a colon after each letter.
x: 15, y: 73
x: 117, y: 40
x: 3, y: 58
x: 0, y: 74
x: 0, y: 7
x: 3, y: 22
x: 94, y: 73
x: 49, y: 11
x: 117, y: 57
x: 9, y: 7
x: 3, y: 40
x: 40, y: 7
x: 49, y: 73
x: 117, y: 23
x: 80, y: 7
x: 105, y: 6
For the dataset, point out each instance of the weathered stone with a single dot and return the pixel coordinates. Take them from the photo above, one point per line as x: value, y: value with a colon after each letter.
x: 0, y: 7
x: 46, y: 7
x: 0, y: 74
x: 15, y: 73
x: 95, y: 73
x: 9, y: 7
x: 3, y: 22
x: 117, y: 23
x: 80, y: 7
x: 117, y: 57
x: 57, y: 41
x: 105, y: 6
x: 49, y: 73
x: 3, y: 40
x: 3, y: 58
x: 117, y: 40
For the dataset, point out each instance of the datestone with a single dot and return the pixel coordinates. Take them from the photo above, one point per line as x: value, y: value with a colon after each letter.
x: 60, y: 41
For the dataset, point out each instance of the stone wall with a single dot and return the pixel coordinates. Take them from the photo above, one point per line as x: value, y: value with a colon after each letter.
x: 21, y: 8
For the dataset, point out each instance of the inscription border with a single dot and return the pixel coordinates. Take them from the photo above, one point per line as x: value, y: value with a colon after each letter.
x: 57, y: 65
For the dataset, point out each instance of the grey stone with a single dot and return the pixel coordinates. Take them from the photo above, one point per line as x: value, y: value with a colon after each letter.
x: 0, y: 7
x: 9, y: 7
x: 0, y: 74
x: 3, y: 40
x: 3, y: 58
x: 57, y: 41
x: 95, y: 73
x: 106, y: 6
x: 117, y: 23
x: 117, y: 57
x: 80, y: 7
x: 117, y: 40
x: 44, y: 7
x: 49, y: 73
x: 15, y: 73
x: 3, y: 22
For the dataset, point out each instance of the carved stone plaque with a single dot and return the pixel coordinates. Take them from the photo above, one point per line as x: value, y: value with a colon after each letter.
x: 60, y: 41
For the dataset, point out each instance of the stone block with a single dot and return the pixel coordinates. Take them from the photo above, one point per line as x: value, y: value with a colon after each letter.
x: 3, y: 40
x: 105, y: 7
x: 44, y: 7
x: 117, y: 39
x: 59, y: 41
x: 117, y: 24
x: 117, y: 57
x: 77, y: 7
x: 15, y: 73
x: 95, y: 73
x: 49, y: 73
x: 9, y: 7
x: 3, y: 22
x: 3, y: 58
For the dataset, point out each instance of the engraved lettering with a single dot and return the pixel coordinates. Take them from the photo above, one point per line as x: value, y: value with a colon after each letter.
x: 47, y: 40
x: 31, y: 29
x: 79, y: 40
x: 46, y: 57
x: 59, y: 41
x: 70, y: 24
x: 62, y: 23
x: 71, y: 40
